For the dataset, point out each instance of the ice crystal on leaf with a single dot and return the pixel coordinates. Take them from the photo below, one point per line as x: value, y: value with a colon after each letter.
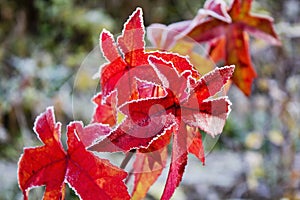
x: 162, y: 99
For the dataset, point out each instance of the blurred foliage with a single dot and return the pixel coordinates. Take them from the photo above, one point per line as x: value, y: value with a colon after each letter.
x: 43, y: 43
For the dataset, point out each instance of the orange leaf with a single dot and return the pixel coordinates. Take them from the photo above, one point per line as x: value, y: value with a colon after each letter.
x: 232, y: 42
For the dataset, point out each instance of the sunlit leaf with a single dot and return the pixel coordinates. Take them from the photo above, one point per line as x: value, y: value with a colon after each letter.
x: 231, y: 42
x: 52, y: 166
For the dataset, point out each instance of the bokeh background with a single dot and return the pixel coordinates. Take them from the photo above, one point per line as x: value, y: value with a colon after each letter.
x: 44, y: 43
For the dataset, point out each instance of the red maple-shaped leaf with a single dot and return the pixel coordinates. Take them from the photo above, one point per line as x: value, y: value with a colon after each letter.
x: 121, y: 77
x: 184, y: 106
x: 194, y: 110
x: 52, y: 166
x: 122, y: 69
x: 45, y: 165
x: 232, y: 43
x: 161, y: 96
x: 190, y: 97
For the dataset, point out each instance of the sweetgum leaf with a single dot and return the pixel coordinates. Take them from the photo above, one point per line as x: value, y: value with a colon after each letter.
x: 107, y: 42
x: 161, y: 96
x: 185, y: 104
x: 45, y: 165
x: 208, y: 115
x: 192, y: 109
x: 232, y: 37
x: 112, y: 71
x: 52, y: 166
x: 173, y: 79
x: 123, y: 70
x: 146, y: 90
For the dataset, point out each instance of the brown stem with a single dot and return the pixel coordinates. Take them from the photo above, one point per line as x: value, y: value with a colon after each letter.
x: 127, y: 158
x: 129, y: 176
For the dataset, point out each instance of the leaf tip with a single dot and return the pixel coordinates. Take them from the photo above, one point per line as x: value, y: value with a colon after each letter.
x: 137, y: 14
x: 104, y: 34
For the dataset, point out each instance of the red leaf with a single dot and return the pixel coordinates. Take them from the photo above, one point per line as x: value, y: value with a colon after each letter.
x: 236, y: 40
x: 45, y: 165
x: 217, y: 49
x: 244, y: 73
x: 184, y: 104
x: 147, y: 118
x: 160, y: 94
x: 121, y: 74
x: 149, y: 164
x: 50, y: 165
x: 159, y: 143
x: 194, y: 110
x: 209, y: 117
x: 148, y: 90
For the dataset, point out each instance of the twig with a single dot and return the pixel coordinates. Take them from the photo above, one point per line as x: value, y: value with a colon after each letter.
x: 127, y: 158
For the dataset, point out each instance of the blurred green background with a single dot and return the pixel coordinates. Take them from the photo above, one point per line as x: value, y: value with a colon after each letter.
x: 43, y: 45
